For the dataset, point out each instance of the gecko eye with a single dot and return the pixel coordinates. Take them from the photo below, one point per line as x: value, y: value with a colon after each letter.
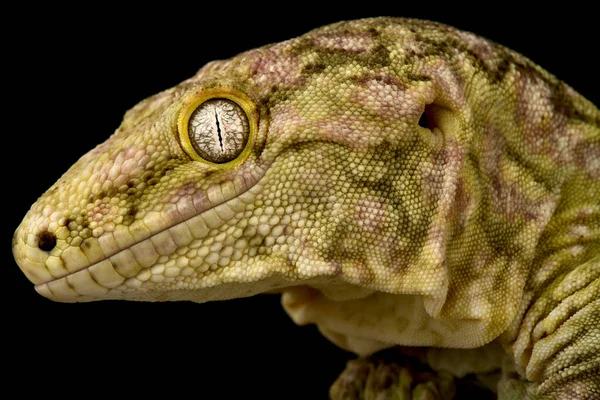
x: 216, y: 129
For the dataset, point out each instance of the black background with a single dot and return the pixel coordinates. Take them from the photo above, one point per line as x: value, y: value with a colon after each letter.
x: 69, y: 75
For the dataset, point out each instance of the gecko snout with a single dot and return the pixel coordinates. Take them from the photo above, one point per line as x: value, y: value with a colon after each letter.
x: 61, y: 272
x: 31, y: 251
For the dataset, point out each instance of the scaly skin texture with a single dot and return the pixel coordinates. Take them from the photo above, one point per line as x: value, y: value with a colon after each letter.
x: 405, y: 184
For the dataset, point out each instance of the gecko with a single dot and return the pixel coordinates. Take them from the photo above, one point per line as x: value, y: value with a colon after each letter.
x: 406, y: 186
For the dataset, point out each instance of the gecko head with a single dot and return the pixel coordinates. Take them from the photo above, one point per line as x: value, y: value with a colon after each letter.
x: 304, y: 162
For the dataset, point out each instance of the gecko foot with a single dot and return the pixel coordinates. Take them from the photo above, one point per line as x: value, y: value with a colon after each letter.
x: 403, y: 377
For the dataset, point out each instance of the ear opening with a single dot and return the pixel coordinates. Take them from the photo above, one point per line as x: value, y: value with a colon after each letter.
x: 439, y: 122
x: 427, y: 118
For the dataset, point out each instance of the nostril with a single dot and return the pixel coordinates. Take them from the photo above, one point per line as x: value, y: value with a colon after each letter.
x: 47, y: 241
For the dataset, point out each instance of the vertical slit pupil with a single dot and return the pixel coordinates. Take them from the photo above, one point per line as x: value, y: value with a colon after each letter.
x: 219, y: 130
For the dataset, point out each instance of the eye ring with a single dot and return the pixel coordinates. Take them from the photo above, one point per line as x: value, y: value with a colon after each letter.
x: 231, y: 95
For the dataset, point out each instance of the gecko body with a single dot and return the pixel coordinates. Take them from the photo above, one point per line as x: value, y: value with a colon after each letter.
x: 400, y: 182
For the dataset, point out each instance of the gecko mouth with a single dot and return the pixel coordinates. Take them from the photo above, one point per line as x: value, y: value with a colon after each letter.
x: 111, y: 262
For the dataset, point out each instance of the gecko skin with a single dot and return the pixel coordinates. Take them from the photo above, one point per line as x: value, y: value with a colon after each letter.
x: 401, y: 182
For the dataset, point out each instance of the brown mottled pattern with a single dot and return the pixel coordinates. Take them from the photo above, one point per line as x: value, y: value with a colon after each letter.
x: 407, y: 184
